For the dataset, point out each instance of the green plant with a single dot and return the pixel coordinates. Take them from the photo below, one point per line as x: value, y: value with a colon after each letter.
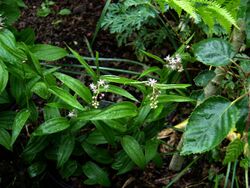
x: 10, y: 10
x: 45, y: 10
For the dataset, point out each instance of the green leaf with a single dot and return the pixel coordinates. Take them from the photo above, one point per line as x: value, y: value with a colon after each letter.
x: 174, y: 98
x: 151, y: 149
x: 89, y: 70
x: 78, y: 87
x: 96, y: 174
x: 68, y: 169
x: 149, y: 70
x: 66, y: 97
x: 18, y: 124
x: 36, y: 169
x: 215, y: 52
x: 64, y: 12
x: 208, y: 125
x: 5, y: 139
x: 41, y: 89
x: 50, y: 112
x: 96, y: 138
x: 98, y: 154
x: 134, y: 150
x: 106, y: 131
x: 172, y: 86
x: 4, y: 76
x: 119, y: 91
x: 122, y: 163
x: 52, y: 126
x: 7, y: 119
x: 234, y: 149
x: 116, y: 125
x: 47, y: 52
x: 117, y: 111
x: 204, y: 78
x: 66, y: 147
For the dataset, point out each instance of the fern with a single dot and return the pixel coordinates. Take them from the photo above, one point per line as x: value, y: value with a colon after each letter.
x: 207, y: 10
x: 234, y: 149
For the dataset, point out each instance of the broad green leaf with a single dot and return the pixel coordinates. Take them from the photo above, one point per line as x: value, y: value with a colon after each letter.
x: 119, y: 91
x: 116, y: 125
x: 118, y: 79
x: 7, y: 119
x: 4, y: 76
x: 153, y: 56
x: 5, y: 139
x: 34, y: 146
x: 4, y: 97
x: 52, y: 126
x: 96, y: 174
x: 96, y: 138
x: 116, y: 111
x: 89, y: 70
x: 215, y: 52
x: 151, y: 149
x: 66, y: 147
x: 204, y: 78
x: 41, y: 89
x: 100, y: 155
x: 208, y: 125
x: 36, y: 169
x: 68, y: 169
x: 122, y: 163
x: 87, y: 115
x: 47, y: 52
x: 78, y: 87
x: 106, y: 131
x: 17, y: 89
x: 50, y: 112
x: 174, y: 98
x: 66, y: 97
x: 134, y: 150
x: 18, y: 124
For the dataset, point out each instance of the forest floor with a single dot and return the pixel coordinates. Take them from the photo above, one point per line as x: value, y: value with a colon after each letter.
x: 72, y: 30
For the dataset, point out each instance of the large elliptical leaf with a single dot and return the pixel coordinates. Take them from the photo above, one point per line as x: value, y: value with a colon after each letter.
x: 208, y: 125
x: 214, y: 51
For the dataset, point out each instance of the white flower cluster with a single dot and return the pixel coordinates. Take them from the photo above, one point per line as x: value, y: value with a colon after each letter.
x: 155, y: 93
x: 174, y: 63
x: 101, y: 84
x: 1, y: 22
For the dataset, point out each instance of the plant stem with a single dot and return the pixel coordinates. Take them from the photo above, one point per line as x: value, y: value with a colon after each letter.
x: 246, y: 178
x: 234, y: 172
x: 227, y: 175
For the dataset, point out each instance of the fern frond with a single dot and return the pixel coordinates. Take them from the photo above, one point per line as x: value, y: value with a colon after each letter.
x: 234, y: 149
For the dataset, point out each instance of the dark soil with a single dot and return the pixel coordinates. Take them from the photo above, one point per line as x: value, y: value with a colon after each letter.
x: 72, y: 30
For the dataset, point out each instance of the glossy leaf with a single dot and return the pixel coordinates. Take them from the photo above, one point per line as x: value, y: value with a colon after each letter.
x: 47, y: 52
x: 106, y: 131
x: 215, y: 52
x: 96, y: 174
x: 75, y: 85
x: 4, y: 76
x: 122, y: 163
x: 172, y: 86
x: 134, y: 150
x: 36, y: 169
x: 116, y: 111
x: 150, y: 70
x: 204, y: 78
x: 68, y: 169
x: 88, y: 69
x: 151, y: 148
x: 174, y: 98
x: 116, y: 125
x: 52, y: 126
x: 7, y: 119
x: 66, y: 147
x: 41, y: 89
x: 208, y: 125
x: 18, y: 124
x: 119, y: 91
x: 98, y: 154
x: 5, y: 139
x: 66, y: 97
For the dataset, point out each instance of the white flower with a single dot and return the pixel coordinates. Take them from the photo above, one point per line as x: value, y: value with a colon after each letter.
x: 167, y: 58
x: 1, y: 22
x: 174, y: 63
x: 101, y: 82
x: 151, y: 82
x: 72, y: 114
x: 106, y: 86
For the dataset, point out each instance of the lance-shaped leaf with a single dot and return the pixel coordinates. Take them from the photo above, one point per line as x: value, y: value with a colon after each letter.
x: 208, y: 125
x: 77, y: 86
x: 18, y: 124
x: 5, y: 139
x: 66, y: 97
x: 134, y: 150
x: 215, y: 52
x: 119, y: 110
x: 52, y: 126
x: 4, y: 76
